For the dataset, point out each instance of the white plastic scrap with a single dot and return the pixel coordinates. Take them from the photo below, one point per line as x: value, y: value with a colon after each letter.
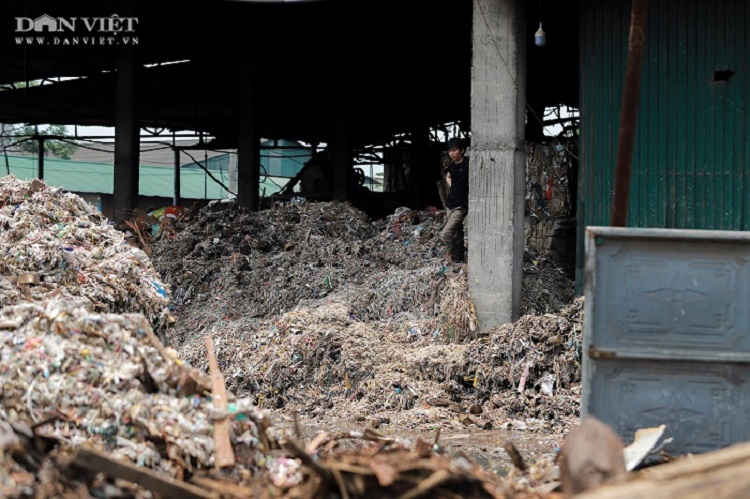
x: 58, y: 241
x: 110, y: 385
x: 644, y: 444
x: 285, y: 472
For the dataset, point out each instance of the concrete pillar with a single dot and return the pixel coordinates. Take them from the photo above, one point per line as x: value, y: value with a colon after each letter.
x: 342, y: 151
x: 176, y: 197
x: 127, y: 136
x: 248, y: 150
x: 40, y: 159
x: 497, y: 171
x: 420, y: 176
x: 341, y: 145
x: 341, y: 139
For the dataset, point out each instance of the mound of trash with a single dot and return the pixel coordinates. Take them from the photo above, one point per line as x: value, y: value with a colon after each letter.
x: 93, y: 404
x: 231, y: 263
x: 81, y: 370
x: 315, y: 310
x: 52, y: 242
x: 91, y: 393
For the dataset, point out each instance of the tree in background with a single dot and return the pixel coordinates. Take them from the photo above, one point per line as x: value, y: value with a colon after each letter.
x: 16, y: 133
x: 57, y: 148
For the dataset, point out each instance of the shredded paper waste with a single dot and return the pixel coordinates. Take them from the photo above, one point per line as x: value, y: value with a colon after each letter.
x: 314, y: 311
x: 54, y: 242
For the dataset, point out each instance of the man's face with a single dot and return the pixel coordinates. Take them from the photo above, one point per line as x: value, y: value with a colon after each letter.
x: 456, y: 154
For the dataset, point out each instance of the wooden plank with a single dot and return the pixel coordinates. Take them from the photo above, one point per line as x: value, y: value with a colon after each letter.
x: 427, y: 485
x: 223, y: 488
x: 155, y: 341
x: 223, y: 453
x: 166, y: 486
x: 515, y: 456
x: 720, y: 474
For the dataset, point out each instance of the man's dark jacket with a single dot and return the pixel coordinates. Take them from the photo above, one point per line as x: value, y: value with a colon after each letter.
x: 459, y: 193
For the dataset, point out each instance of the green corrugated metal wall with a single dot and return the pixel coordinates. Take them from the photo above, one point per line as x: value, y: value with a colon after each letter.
x: 690, y: 162
x: 89, y: 177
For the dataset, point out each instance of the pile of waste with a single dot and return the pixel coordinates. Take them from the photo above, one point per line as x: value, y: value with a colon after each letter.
x: 81, y: 377
x: 233, y: 263
x: 238, y: 263
x: 93, y: 404
x: 546, y: 287
x: 321, y: 363
x: 79, y: 363
x: 531, y: 369
x: 308, y: 309
x: 52, y: 242
x: 320, y: 312
x: 97, y: 392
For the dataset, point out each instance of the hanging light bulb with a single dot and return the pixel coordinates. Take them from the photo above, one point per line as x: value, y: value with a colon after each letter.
x: 540, y: 38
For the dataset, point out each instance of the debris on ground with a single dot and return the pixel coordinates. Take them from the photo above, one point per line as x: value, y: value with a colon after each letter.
x: 54, y: 242
x: 141, y: 228
x: 88, y: 392
x: 319, y: 311
x: 546, y: 287
x: 551, y: 176
x: 93, y: 404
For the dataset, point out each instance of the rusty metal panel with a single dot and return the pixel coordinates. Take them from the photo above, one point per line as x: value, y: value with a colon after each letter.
x: 690, y: 162
x: 665, y: 336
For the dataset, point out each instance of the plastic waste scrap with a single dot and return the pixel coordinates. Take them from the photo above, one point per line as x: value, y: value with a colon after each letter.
x: 51, y: 240
x: 368, y: 326
x: 103, y: 381
x: 320, y: 311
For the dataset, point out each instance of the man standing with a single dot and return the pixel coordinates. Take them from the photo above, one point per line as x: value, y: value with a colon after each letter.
x: 458, y: 200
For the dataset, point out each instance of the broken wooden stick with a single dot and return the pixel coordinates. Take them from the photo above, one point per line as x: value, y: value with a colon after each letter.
x: 155, y: 340
x: 297, y: 431
x: 340, y: 483
x: 134, y: 226
x: 223, y: 453
x: 189, y: 380
x: 514, y: 455
x: 223, y: 488
x: 165, y: 486
x: 426, y: 485
x: 369, y: 434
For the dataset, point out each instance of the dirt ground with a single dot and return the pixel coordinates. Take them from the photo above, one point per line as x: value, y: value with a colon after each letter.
x: 484, y: 447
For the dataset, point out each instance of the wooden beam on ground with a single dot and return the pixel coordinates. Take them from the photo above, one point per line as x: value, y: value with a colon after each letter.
x: 165, y: 486
x: 719, y: 474
x: 223, y: 488
x: 223, y: 453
